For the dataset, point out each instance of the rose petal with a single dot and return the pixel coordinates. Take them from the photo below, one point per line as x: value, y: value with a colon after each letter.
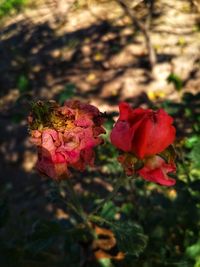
x: 156, y: 170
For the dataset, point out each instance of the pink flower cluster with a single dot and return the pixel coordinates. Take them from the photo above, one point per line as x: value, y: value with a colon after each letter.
x: 65, y: 137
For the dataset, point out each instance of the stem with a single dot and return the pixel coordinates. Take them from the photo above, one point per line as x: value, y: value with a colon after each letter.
x: 70, y: 205
x: 117, y: 186
x: 132, y: 187
x: 98, y: 219
x: 75, y: 201
x: 75, y: 206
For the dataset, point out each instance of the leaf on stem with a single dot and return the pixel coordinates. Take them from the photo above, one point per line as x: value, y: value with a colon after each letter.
x: 130, y: 237
x: 109, y: 210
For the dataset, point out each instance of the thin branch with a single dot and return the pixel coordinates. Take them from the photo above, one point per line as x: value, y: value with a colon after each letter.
x: 144, y: 30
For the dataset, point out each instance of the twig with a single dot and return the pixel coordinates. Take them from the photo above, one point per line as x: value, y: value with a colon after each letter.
x: 144, y: 30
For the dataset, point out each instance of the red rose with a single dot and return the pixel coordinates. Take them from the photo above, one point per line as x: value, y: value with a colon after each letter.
x: 156, y: 170
x: 141, y: 134
x: 144, y: 132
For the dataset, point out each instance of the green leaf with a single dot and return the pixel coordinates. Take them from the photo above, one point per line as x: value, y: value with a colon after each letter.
x: 193, y: 251
x: 130, y: 237
x: 191, y: 141
x: 104, y: 262
x: 68, y: 92
x: 7, y: 6
x: 188, y: 112
x: 171, y: 107
x: 127, y: 208
x: 23, y: 84
x: 197, y: 263
x: 176, y: 80
x: 195, y: 155
x: 41, y: 113
x: 108, y: 211
x: 108, y: 124
x: 196, y: 127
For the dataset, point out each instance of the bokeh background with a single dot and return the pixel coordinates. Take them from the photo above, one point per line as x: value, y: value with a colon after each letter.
x: 101, y: 52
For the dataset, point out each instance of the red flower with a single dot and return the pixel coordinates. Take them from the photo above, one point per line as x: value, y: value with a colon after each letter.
x: 143, y: 132
x: 65, y: 137
x: 156, y: 170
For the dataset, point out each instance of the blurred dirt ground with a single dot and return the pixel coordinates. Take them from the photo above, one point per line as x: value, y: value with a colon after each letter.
x: 93, y: 47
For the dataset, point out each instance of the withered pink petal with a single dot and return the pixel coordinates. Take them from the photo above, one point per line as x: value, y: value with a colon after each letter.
x: 48, y: 142
x: 55, y: 171
x: 83, y: 121
x: 68, y: 142
x: 36, y: 133
x: 72, y: 156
